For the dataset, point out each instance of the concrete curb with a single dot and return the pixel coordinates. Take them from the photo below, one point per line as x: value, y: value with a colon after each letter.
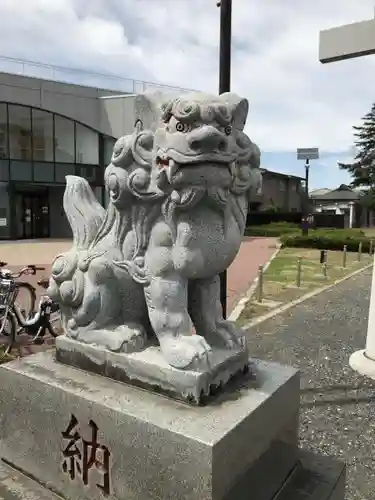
x: 234, y: 315
x: 285, y: 307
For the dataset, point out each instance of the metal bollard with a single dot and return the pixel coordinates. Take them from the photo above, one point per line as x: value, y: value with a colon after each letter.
x: 371, y: 248
x: 359, y: 252
x: 344, y: 254
x: 260, y: 284
x: 299, y: 271
x: 323, y: 256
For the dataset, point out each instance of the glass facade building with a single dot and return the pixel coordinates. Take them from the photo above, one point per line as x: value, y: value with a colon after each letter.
x: 38, y: 149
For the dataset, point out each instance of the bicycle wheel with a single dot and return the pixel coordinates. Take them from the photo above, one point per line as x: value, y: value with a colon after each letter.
x: 8, y: 326
x: 26, y: 298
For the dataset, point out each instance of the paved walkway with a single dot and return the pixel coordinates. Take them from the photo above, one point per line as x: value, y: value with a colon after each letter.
x: 337, y: 404
x: 241, y: 274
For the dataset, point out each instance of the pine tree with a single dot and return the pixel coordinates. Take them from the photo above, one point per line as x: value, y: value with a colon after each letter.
x: 362, y: 170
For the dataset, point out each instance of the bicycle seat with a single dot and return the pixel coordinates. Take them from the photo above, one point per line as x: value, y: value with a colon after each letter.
x: 44, y: 283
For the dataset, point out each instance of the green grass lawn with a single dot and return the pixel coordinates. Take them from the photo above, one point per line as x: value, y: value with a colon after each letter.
x: 280, y: 279
x: 369, y: 232
x: 4, y: 358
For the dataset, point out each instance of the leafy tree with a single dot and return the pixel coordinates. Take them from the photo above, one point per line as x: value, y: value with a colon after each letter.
x: 362, y: 170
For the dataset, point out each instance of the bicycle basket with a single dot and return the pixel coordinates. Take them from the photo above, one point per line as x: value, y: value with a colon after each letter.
x: 8, y: 293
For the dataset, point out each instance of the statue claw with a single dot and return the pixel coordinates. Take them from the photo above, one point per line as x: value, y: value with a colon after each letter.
x: 226, y: 335
x: 186, y: 352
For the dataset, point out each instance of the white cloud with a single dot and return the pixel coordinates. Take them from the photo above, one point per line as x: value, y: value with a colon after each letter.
x: 295, y: 101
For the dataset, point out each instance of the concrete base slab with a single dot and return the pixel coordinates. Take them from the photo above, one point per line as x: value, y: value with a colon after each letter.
x: 360, y: 363
x: 148, y: 369
x: 17, y: 486
x: 82, y: 435
x: 315, y: 478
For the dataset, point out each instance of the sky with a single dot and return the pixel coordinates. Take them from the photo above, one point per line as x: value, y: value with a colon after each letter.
x: 295, y: 101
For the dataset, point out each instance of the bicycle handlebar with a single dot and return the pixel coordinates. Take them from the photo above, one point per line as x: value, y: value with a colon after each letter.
x: 30, y: 269
x: 35, y: 268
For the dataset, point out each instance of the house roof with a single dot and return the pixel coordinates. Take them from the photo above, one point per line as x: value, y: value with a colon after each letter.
x: 319, y: 192
x: 280, y: 174
x: 343, y: 192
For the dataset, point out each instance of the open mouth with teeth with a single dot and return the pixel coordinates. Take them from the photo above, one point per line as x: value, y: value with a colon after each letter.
x: 171, y: 166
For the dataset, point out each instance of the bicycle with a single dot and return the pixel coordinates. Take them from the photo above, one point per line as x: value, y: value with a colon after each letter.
x: 28, y: 305
x: 13, y: 322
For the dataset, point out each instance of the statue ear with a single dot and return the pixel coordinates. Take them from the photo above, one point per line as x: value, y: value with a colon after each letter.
x: 239, y: 107
x: 166, y: 108
x: 142, y: 148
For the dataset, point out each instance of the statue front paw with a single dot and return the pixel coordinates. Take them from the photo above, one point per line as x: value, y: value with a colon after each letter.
x: 227, y: 335
x: 132, y: 338
x: 123, y: 338
x: 186, y: 352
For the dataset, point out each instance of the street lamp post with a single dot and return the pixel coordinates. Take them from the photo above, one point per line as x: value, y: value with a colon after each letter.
x: 224, y: 86
x: 305, y: 227
x: 306, y: 154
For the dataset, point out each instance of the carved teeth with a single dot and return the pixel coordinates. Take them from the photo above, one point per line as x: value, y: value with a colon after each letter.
x: 171, y: 170
x: 162, y: 161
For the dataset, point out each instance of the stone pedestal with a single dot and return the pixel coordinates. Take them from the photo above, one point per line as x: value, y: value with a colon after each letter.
x: 148, y: 369
x: 85, y: 436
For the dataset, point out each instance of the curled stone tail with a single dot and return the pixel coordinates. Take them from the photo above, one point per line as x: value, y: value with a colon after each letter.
x: 84, y: 213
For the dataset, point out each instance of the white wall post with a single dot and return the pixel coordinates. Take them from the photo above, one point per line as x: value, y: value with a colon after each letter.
x: 363, y: 361
x: 337, y: 44
x: 351, y: 214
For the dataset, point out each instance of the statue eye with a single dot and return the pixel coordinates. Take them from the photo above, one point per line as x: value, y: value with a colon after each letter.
x: 228, y: 129
x: 182, y: 127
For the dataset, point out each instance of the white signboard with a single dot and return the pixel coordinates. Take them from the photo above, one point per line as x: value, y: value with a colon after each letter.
x: 347, y: 41
x: 308, y: 154
x: 3, y: 222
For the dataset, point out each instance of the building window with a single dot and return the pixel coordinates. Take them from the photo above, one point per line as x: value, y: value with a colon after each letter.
x: 3, y: 131
x: 42, y: 126
x: 21, y: 170
x: 4, y: 170
x: 282, y: 185
x: 108, y: 149
x: 20, y: 132
x: 87, y: 145
x: 39, y: 146
x: 63, y: 169
x: 88, y: 172
x: 64, y: 140
x: 44, y: 172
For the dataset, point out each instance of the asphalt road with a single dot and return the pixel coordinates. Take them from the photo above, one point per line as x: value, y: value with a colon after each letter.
x: 337, y: 404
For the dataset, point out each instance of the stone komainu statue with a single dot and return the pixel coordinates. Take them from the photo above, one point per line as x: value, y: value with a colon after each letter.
x: 147, y: 268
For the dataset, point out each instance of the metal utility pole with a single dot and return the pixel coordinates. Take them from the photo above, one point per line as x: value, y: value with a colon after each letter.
x: 224, y: 86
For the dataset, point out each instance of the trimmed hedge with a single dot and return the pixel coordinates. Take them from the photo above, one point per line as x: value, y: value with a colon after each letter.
x: 277, y: 229
x: 328, y: 240
x: 274, y: 229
